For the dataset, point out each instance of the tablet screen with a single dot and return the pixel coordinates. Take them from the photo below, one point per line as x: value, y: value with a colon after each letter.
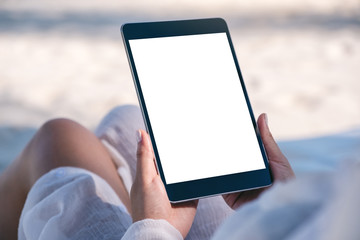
x: 196, y: 106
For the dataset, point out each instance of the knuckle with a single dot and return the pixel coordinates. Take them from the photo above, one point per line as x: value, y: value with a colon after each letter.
x: 142, y: 152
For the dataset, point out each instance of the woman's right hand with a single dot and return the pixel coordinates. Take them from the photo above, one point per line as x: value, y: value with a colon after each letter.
x: 279, y: 166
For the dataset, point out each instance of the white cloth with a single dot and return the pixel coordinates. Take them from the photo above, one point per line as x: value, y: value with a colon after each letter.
x: 318, y: 206
x: 72, y: 203
x: 321, y: 206
x: 323, y: 153
x: 149, y: 229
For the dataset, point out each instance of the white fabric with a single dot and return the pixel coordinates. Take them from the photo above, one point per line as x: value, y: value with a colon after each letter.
x: 323, y: 153
x: 72, y: 203
x: 150, y: 229
x: 316, y: 206
x: 118, y: 128
x: 123, y: 168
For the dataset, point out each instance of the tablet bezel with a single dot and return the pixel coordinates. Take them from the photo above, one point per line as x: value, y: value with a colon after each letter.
x: 194, y: 189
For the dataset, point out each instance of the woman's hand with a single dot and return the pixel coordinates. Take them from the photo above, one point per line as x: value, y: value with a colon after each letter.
x: 279, y: 165
x: 148, y: 195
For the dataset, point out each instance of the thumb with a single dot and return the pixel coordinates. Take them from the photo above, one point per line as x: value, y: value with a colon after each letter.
x: 280, y: 166
x: 145, y: 169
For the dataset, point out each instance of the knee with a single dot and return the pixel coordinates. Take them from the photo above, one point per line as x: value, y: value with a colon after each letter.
x: 57, y: 124
x: 50, y: 146
x: 60, y: 128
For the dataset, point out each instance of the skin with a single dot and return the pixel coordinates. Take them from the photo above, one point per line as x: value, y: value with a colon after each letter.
x: 149, y: 199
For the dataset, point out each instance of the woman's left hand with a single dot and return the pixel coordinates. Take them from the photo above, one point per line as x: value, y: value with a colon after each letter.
x: 148, y: 196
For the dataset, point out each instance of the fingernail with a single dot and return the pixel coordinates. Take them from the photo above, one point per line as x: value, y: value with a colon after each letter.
x: 266, y: 120
x: 138, y: 136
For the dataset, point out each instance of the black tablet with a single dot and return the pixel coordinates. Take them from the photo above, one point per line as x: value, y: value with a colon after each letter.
x: 195, y: 108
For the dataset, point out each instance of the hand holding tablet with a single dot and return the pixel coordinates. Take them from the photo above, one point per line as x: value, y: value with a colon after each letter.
x: 190, y: 86
x: 149, y: 199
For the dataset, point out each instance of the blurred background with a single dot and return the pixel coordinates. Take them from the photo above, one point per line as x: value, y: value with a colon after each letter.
x: 300, y: 60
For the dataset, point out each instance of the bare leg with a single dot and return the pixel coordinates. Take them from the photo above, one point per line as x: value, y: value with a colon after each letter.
x: 58, y: 143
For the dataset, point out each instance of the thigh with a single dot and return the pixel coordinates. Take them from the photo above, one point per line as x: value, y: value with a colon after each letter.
x: 62, y: 142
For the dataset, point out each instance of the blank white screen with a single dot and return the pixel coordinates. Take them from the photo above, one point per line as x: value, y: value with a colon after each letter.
x: 196, y: 106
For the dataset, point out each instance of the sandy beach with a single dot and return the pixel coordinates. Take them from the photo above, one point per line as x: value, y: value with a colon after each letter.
x: 300, y: 61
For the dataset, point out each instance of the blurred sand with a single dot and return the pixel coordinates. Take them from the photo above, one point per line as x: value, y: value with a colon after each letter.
x: 300, y: 61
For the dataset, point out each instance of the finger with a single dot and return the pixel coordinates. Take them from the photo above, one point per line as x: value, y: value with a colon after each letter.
x: 272, y: 149
x: 278, y: 162
x: 145, y: 168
